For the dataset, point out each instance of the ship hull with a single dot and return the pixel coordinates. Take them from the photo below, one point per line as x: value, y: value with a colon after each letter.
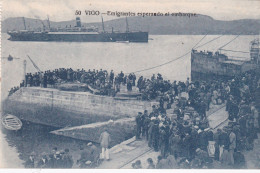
x: 208, y: 67
x: 79, y: 37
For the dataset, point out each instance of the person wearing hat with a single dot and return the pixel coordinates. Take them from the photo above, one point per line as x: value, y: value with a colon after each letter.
x: 138, y: 165
x: 138, y: 121
x: 239, y: 160
x: 194, y: 141
x: 94, y: 154
x: 146, y: 123
x: 143, y: 117
x: 150, y: 131
x: 84, y: 157
x: 43, y: 162
x: 30, y: 162
x: 155, y: 135
x: 150, y: 163
x: 58, y: 160
x: 154, y: 112
x: 163, y: 141
x: 203, y: 157
x: 67, y: 159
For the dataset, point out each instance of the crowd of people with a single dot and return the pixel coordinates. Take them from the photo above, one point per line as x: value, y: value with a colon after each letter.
x: 98, y: 79
x: 13, y: 90
x: 183, y: 136
x: 90, y: 156
x: 56, y: 159
x: 185, y: 133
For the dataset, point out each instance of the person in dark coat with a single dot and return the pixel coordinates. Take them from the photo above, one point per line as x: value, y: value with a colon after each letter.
x: 175, y: 145
x: 187, y: 146
x: 138, y: 121
x: 163, y: 142
x: 144, y: 115
x: 203, y: 141
x: 239, y: 160
x: 43, y: 162
x: 30, y: 162
x: 194, y: 141
x: 150, y: 133
x: 155, y: 136
x: 84, y: 157
x: 111, y: 76
x: 150, y: 163
x: 67, y: 159
x: 205, y: 160
x: 45, y: 80
x: 146, y: 127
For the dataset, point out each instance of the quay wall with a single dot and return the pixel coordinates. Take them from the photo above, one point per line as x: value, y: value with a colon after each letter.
x: 62, y: 108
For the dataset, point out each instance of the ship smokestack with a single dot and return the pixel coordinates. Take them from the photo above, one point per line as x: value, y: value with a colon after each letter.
x: 78, y: 22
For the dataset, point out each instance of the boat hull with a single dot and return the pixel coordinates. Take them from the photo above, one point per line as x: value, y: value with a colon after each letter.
x: 79, y: 36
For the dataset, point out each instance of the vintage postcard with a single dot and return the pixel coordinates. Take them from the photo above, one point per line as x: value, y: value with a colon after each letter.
x: 144, y: 84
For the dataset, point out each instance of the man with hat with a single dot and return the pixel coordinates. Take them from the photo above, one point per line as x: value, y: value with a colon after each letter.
x: 30, y: 162
x: 43, y: 162
x: 154, y: 112
x: 83, y: 157
x: 143, y: 117
x: 203, y: 157
x: 150, y: 131
x: 155, y: 135
x: 67, y: 159
x: 138, y: 121
x: 58, y: 160
x: 94, y: 154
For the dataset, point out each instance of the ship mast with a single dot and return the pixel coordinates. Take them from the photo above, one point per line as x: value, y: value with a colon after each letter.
x: 127, y: 27
x: 43, y: 25
x: 24, y: 23
x: 103, y: 24
x: 48, y: 20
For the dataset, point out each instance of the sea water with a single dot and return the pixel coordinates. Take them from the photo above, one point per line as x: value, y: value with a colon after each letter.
x: 126, y: 57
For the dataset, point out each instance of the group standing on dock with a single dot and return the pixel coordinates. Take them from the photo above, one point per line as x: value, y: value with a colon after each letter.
x: 184, y: 133
x: 187, y: 135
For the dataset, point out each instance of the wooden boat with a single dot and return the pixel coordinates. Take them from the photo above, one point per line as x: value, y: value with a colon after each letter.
x: 11, y: 122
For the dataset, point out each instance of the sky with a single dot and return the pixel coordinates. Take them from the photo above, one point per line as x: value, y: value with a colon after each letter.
x: 62, y: 10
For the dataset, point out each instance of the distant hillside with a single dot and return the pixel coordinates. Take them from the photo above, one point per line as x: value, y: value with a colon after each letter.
x: 155, y: 25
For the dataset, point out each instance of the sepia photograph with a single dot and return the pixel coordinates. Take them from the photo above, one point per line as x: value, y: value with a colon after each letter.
x: 113, y: 84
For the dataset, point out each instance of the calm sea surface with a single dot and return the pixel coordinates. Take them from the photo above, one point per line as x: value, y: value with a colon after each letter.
x: 128, y: 57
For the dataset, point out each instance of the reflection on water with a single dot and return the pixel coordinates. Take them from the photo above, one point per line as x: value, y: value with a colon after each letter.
x: 36, y: 138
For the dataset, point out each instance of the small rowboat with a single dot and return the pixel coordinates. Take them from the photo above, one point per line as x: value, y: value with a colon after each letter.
x: 11, y: 122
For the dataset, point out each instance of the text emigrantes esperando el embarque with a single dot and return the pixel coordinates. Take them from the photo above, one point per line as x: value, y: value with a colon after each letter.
x: 131, y: 14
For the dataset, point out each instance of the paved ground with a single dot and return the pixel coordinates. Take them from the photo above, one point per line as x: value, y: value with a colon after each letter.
x: 124, y: 154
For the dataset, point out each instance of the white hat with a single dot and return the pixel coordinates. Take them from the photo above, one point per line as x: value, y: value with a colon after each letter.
x: 207, y: 129
x: 88, y: 162
x: 197, y: 150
